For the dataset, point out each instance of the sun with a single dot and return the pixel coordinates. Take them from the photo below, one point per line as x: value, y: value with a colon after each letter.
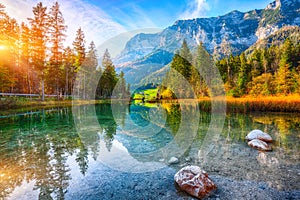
x: 2, y: 47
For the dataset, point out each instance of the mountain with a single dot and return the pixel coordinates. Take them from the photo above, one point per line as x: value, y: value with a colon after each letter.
x: 238, y: 29
x: 142, y: 68
x: 277, y: 38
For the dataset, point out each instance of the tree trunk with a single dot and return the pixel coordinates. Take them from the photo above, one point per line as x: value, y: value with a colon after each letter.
x: 67, y: 82
x: 57, y: 89
x: 43, y: 89
x: 84, y: 89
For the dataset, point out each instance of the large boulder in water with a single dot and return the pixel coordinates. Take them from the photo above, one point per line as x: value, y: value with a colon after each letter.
x: 258, y: 134
x: 260, y: 145
x: 194, y: 181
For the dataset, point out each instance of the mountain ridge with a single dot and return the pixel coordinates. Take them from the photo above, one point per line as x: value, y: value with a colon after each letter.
x: 240, y: 30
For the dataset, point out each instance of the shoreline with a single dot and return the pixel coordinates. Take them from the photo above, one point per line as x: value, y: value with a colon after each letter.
x: 284, y: 104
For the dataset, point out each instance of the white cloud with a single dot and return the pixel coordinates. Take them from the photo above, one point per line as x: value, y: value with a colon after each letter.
x: 195, y: 9
x: 96, y: 24
x: 135, y: 19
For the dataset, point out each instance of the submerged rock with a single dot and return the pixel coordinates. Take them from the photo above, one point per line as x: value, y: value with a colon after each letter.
x: 258, y: 134
x: 173, y: 160
x: 194, y: 181
x: 260, y: 145
x: 188, y: 159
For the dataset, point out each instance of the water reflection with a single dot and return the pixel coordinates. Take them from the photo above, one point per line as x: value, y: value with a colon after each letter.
x: 42, y: 149
x: 35, y: 147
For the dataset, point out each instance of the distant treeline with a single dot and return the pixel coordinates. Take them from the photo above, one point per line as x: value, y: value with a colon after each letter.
x: 33, y: 59
x: 270, y: 71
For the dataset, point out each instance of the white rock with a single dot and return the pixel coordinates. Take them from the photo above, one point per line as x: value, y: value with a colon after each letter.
x: 259, y: 144
x: 173, y: 160
x: 188, y: 159
x: 258, y: 134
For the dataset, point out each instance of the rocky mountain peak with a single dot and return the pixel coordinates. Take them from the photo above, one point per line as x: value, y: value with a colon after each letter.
x: 274, y: 5
x: 240, y: 29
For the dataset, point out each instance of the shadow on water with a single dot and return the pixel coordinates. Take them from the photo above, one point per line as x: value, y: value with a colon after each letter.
x: 47, y: 151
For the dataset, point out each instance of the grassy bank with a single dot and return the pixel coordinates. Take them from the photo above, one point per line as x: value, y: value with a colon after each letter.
x: 233, y: 105
x: 149, y: 94
x: 286, y: 104
x: 258, y: 104
x: 264, y: 104
x: 24, y: 104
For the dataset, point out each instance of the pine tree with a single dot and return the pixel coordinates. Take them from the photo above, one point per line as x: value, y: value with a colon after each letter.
x: 203, y: 63
x: 265, y: 61
x: 283, y: 75
x: 182, y: 66
x: 91, y: 60
x: 225, y: 48
x: 12, y: 55
x: 25, y: 58
x: 90, y: 67
x: 185, y: 52
x: 243, y: 75
x: 108, y: 79
x: 3, y: 25
x: 39, y: 27
x: 256, y: 63
x: 120, y: 89
x: 56, y: 31
x: 8, y: 59
x: 69, y: 70
x: 79, y: 47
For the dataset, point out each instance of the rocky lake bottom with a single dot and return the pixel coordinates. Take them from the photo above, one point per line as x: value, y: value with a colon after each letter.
x: 54, y: 154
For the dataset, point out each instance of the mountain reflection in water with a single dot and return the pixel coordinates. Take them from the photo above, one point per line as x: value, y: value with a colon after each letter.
x: 44, y: 153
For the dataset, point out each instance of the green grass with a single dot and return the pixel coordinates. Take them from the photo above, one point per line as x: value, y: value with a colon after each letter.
x: 150, y: 94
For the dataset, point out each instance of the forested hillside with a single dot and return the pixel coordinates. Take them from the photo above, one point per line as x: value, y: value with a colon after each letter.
x: 273, y: 70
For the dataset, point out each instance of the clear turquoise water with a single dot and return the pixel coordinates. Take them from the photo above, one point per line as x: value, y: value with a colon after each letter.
x: 72, y: 152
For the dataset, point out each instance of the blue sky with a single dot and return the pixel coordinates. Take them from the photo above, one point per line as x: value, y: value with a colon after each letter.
x: 163, y: 13
x: 104, y: 19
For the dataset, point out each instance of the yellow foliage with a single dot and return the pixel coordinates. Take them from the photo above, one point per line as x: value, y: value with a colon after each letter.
x: 167, y: 94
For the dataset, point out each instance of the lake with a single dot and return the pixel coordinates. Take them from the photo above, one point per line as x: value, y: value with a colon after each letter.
x: 121, y: 151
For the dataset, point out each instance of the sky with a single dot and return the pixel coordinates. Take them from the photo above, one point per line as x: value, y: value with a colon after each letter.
x: 102, y: 20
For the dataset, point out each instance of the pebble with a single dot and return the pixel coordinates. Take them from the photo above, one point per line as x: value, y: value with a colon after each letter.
x: 173, y: 160
x: 188, y: 159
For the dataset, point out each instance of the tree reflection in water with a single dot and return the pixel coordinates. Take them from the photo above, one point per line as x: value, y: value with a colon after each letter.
x: 35, y: 147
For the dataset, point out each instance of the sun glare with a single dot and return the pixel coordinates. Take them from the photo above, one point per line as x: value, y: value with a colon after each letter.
x: 2, y: 47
